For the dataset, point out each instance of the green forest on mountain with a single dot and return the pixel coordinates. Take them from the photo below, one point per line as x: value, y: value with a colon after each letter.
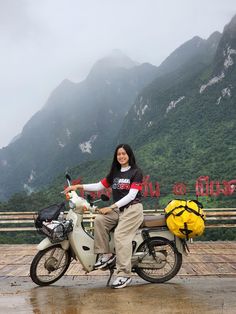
x: 92, y: 172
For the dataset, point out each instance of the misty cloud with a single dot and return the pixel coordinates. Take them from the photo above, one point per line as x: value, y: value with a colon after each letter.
x: 43, y: 42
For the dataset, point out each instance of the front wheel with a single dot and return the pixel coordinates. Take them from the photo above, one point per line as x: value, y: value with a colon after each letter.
x: 49, y: 265
x: 162, y: 264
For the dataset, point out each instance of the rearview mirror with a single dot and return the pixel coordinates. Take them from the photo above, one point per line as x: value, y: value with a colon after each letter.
x: 68, y: 177
x: 90, y: 199
x: 104, y: 198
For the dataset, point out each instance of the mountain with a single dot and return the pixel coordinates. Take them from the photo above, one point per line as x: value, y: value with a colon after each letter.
x: 179, y: 117
x: 191, y: 51
x: 78, y: 123
x: 183, y: 125
x: 188, y: 62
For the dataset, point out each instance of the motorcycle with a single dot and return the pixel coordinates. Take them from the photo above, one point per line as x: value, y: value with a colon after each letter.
x: 157, y: 253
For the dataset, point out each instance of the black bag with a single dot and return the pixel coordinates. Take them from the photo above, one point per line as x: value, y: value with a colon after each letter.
x: 48, y: 214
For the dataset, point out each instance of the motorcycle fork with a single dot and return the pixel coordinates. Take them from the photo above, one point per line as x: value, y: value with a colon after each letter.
x: 59, y: 259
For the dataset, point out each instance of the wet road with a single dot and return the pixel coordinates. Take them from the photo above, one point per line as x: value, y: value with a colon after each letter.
x: 88, y: 295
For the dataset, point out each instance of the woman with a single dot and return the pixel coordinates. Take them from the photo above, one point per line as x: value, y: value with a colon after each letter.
x: 126, y: 213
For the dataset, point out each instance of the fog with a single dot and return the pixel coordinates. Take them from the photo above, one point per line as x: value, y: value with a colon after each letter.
x: 44, y: 42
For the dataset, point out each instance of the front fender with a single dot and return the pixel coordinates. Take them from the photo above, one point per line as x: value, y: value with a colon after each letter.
x: 45, y: 243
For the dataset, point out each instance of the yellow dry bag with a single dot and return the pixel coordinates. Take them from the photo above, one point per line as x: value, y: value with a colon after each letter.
x: 185, y: 219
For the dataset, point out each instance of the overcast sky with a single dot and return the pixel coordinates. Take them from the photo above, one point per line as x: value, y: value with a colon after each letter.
x: 43, y: 42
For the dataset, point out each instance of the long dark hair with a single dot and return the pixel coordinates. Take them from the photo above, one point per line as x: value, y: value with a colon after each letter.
x: 116, y: 165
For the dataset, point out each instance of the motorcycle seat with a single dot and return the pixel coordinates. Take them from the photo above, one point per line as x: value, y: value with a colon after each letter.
x: 150, y: 221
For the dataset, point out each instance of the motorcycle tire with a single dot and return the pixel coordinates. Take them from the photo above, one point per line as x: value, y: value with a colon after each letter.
x: 164, y: 266
x: 44, y: 269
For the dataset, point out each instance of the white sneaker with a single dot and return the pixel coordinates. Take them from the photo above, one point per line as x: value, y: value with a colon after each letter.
x: 121, y: 282
x: 104, y: 260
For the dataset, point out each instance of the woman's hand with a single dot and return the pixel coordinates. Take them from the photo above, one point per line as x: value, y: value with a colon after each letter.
x: 70, y: 188
x: 105, y: 210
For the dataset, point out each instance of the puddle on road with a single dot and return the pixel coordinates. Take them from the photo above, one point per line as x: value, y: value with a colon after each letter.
x: 89, y: 297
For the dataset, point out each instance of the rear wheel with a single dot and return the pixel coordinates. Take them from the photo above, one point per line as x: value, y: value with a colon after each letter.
x: 160, y: 266
x: 49, y: 265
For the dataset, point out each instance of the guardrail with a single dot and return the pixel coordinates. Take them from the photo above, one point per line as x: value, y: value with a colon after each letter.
x: 24, y: 221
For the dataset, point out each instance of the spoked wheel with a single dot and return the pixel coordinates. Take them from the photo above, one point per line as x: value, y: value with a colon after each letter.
x: 160, y: 266
x: 49, y: 265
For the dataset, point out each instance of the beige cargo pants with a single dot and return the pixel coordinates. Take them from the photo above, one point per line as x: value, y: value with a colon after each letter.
x: 127, y: 223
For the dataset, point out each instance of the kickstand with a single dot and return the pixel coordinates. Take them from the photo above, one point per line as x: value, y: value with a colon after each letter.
x: 111, y: 273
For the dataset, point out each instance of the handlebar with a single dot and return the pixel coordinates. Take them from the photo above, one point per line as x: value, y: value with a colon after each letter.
x: 104, y: 197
